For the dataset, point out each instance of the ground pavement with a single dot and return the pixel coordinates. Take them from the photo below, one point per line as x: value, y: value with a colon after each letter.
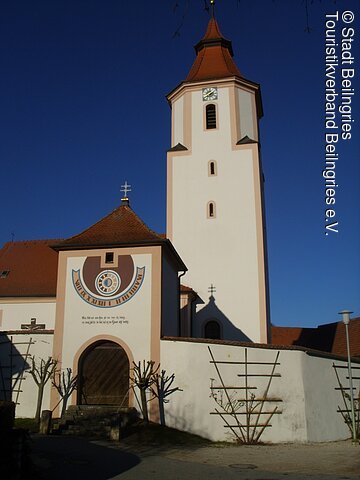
x: 59, y: 458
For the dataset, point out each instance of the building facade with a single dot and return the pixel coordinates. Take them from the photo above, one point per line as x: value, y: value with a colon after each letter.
x: 214, y: 191
x: 111, y: 295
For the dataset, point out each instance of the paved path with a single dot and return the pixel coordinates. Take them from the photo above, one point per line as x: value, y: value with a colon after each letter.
x: 70, y: 458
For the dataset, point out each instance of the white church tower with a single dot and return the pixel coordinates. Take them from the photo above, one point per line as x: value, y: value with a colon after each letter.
x: 215, y: 214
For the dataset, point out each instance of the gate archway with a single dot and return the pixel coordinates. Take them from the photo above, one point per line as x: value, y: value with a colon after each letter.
x: 104, y: 375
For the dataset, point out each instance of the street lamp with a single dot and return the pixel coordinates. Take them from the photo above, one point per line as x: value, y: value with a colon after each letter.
x: 346, y: 320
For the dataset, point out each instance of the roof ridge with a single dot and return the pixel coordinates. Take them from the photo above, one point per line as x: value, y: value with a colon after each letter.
x: 145, y: 225
x: 125, y: 207
x: 93, y: 225
x: 120, y: 225
x: 213, y: 56
x: 196, y: 66
x: 212, y: 26
x: 18, y: 242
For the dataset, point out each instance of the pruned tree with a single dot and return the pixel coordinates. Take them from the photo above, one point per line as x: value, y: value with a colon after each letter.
x: 143, y: 378
x: 161, y: 388
x: 41, y: 373
x: 65, y: 383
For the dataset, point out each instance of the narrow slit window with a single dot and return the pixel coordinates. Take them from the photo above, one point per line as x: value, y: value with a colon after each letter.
x: 109, y: 257
x: 4, y: 273
x: 211, y: 210
x: 210, y: 116
x: 212, y: 168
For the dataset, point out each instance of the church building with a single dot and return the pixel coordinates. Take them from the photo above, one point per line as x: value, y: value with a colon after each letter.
x: 214, y: 191
x: 119, y: 293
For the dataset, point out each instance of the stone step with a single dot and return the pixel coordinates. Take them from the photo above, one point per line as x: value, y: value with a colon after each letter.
x: 80, y: 430
x: 94, y: 420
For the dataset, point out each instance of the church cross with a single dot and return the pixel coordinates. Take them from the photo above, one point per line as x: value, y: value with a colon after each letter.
x: 33, y: 325
x: 212, y: 3
x: 211, y: 289
x: 125, y: 188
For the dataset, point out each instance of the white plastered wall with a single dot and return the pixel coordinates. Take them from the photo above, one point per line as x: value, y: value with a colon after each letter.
x: 323, y: 423
x: 40, y: 348
x: 129, y: 322
x: 13, y: 314
x: 178, y: 120
x: 305, y: 417
x: 225, y: 251
x: 170, y: 299
x: 248, y: 124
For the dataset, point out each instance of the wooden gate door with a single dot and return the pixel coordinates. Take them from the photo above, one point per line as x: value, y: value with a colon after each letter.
x: 104, y: 375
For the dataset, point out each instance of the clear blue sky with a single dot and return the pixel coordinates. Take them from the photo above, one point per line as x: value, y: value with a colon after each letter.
x: 82, y: 108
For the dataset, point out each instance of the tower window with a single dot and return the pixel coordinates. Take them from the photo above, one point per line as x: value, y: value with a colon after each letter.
x: 211, y: 210
x: 210, y: 116
x: 212, y: 169
x: 109, y: 257
x: 212, y: 330
x: 4, y: 273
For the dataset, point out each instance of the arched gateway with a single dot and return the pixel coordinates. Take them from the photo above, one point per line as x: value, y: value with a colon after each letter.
x: 104, y: 375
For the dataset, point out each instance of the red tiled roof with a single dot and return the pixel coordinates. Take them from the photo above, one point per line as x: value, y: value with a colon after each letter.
x: 32, y: 269
x: 285, y: 335
x: 32, y: 265
x: 184, y: 288
x: 122, y: 226
x: 213, y: 57
x: 330, y: 337
x: 213, y: 30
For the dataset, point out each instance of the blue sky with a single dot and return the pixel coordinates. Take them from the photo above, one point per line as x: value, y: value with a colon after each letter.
x: 83, y: 108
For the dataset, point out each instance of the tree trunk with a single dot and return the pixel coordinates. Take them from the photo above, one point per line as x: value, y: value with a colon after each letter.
x: 64, y: 405
x: 144, y: 405
x: 39, y: 403
x: 162, y: 411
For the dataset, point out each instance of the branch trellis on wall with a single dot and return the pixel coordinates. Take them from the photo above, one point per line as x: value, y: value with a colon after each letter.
x: 345, y: 394
x: 11, y: 384
x: 244, y: 413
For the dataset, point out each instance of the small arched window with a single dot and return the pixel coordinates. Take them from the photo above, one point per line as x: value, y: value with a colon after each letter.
x: 212, y: 168
x: 211, y: 210
x: 210, y: 116
x: 212, y: 330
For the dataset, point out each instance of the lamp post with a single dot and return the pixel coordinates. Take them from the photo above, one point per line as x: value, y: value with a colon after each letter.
x: 346, y: 320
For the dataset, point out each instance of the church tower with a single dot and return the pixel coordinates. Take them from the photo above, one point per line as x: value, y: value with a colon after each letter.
x: 215, y: 215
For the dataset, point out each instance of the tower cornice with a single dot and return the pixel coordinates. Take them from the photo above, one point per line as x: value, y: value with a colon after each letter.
x: 221, y: 82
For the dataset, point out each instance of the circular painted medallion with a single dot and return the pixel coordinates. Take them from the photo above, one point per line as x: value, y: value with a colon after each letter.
x: 107, y: 283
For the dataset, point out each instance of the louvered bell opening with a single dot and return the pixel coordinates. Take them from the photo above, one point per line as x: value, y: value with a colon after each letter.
x: 210, y: 117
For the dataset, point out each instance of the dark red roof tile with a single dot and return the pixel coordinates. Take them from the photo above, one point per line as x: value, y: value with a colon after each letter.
x: 213, y: 57
x: 122, y: 226
x: 32, y: 265
x: 185, y: 289
x: 32, y: 269
x: 330, y: 337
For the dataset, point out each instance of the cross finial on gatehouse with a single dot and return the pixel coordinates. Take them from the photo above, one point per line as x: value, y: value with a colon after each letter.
x: 126, y: 188
x: 211, y: 289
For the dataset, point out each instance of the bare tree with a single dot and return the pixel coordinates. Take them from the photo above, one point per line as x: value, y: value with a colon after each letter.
x: 182, y: 9
x: 161, y: 388
x: 143, y: 378
x: 65, y: 384
x: 41, y: 374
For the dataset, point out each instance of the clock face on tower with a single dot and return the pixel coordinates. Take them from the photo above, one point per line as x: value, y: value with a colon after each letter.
x: 209, y: 93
